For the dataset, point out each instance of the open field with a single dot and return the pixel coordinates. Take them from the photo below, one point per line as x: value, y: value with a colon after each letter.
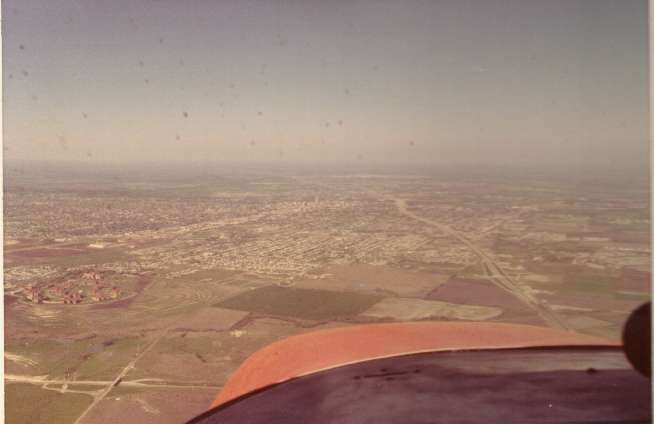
x: 212, y: 269
x: 30, y: 404
x: 153, y: 406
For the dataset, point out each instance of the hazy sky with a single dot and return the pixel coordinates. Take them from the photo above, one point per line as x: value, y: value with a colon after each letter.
x: 486, y: 80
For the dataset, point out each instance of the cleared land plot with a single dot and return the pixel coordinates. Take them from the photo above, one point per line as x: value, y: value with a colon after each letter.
x: 300, y: 303
x: 30, y: 404
x: 376, y: 280
x: 418, y: 309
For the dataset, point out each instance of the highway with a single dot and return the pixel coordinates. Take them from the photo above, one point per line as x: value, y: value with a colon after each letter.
x: 492, y: 269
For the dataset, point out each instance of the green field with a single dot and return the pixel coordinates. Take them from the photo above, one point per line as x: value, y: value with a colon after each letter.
x: 92, y: 358
x: 300, y: 303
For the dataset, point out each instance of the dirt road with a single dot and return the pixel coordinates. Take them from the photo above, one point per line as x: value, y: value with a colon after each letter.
x: 103, y: 383
x: 120, y: 376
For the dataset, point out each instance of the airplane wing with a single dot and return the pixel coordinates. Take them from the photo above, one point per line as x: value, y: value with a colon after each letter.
x: 425, y: 372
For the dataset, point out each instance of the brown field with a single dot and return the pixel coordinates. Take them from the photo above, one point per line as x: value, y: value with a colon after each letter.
x: 476, y: 292
x: 380, y: 280
x: 66, y: 257
x: 44, y: 252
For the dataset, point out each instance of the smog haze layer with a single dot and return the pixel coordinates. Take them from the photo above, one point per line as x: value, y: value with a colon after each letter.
x: 558, y: 83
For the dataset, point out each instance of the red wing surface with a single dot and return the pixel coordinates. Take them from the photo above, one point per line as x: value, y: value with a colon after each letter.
x: 532, y: 385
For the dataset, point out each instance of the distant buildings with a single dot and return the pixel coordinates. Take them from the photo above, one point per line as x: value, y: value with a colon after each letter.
x: 91, y: 275
x: 33, y: 294
x: 73, y: 298
x: 76, y: 288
